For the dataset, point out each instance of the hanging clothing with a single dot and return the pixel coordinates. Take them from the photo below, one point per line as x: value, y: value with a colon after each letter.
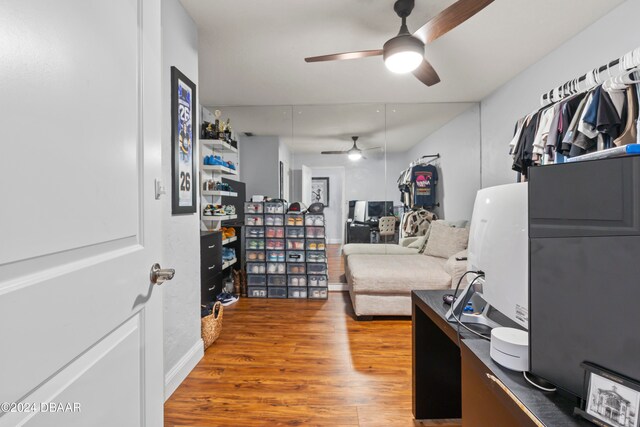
x: 424, y: 179
x: 629, y: 134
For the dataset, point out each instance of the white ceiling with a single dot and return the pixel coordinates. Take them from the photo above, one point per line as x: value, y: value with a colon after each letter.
x: 315, y: 128
x: 251, y: 51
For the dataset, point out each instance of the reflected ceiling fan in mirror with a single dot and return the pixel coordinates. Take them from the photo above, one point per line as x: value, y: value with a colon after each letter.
x: 404, y: 53
x: 354, y: 152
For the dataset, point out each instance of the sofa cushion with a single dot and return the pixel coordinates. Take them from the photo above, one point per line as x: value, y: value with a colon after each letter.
x: 376, y: 249
x: 419, y: 243
x: 445, y: 241
x: 456, y: 268
x: 396, y: 274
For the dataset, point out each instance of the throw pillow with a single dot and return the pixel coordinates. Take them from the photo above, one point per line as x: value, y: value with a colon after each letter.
x: 420, y: 243
x: 445, y: 241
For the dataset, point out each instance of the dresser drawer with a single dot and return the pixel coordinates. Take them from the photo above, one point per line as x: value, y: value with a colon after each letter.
x: 210, y: 254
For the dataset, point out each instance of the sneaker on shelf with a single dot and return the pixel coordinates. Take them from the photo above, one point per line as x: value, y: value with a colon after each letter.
x: 313, y: 246
x: 295, y: 281
x: 281, y: 268
x: 270, y: 233
x: 272, y: 268
x: 279, y: 222
x: 303, y: 281
x: 318, y: 222
x: 269, y: 221
x: 321, y: 246
x: 313, y: 281
x: 208, y: 210
x: 273, y: 257
x: 219, y: 211
x: 309, y: 221
x: 230, y: 209
x: 251, y: 209
x: 322, y: 281
x: 279, y: 233
x: 291, y: 221
x: 280, y: 256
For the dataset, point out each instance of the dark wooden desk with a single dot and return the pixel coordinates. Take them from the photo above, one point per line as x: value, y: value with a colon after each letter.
x: 453, y: 382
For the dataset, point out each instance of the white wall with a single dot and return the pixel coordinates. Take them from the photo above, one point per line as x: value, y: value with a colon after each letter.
x: 259, y: 157
x: 608, y: 38
x: 181, y: 233
x: 371, y: 179
x: 458, y: 143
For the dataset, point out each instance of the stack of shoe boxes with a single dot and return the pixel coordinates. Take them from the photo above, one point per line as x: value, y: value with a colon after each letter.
x: 285, y: 253
x: 316, y: 256
x: 274, y: 243
x: 296, y: 256
x: 255, y: 254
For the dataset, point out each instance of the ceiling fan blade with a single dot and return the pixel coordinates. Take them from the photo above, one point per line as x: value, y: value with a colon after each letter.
x: 372, y: 148
x: 333, y: 152
x: 426, y: 74
x: 450, y: 18
x: 345, y: 55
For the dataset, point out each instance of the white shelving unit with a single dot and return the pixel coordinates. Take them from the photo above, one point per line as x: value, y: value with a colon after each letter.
x: 229, y: 240
x: 221, y: 148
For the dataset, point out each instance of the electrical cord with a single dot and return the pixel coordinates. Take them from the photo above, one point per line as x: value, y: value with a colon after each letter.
x: 453, y: 313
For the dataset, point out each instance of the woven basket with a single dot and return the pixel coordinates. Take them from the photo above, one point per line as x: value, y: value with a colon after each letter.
x: 212, y: 325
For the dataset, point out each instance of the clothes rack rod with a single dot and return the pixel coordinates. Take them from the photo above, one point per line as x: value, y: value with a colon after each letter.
x: 626, y: 62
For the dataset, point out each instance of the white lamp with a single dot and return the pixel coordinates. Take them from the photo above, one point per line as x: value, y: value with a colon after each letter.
x: 403, y: 53
x: 355, y: 155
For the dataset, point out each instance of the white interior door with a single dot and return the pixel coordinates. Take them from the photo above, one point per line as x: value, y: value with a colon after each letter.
x: 80, y: 323
x: 306, y: 185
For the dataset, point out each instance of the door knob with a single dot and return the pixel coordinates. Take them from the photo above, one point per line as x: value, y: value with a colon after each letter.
x: 159, y: 275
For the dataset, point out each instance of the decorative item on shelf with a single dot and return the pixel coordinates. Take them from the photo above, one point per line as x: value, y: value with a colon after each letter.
x: 217, y: 124
x: 227, y: 131
x: 611, y: 400
x: 208, y: 131
x: 211, y: 325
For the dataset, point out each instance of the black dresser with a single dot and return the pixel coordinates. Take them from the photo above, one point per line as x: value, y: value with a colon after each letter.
x: 210, y: 265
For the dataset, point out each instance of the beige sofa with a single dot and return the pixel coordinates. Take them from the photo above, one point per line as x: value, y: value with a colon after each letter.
x: 381, y: 277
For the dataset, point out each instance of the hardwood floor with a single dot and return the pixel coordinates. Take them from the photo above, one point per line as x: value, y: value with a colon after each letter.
x: 300, y: 363
x: 335, y: 262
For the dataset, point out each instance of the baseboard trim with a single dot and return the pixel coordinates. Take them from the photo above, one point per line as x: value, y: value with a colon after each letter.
x: 181, y: 370
x: 338, y: 287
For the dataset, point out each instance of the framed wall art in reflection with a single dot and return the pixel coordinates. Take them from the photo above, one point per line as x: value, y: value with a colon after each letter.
x: 183, y: 120
x: 320, y: 190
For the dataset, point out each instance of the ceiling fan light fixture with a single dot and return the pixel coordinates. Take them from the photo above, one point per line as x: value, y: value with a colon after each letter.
x: 403, y: 53
x: 355, y: 155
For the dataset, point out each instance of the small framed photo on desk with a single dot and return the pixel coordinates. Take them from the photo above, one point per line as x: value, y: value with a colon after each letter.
x: 611, y: 400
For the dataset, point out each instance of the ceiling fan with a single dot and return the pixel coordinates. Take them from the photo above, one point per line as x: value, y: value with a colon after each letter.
x: 354, y: 152
x: 404, y: 53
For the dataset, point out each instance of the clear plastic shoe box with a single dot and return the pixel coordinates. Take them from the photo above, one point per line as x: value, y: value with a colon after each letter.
x: 276, y: 280
x: 253, y: 207
x: 276, y: 256
x: 255, y: 244
x: 315, y: 232
x: 274, y: 244
x: 318, y: 293
x: 274, y: 232
x: 277, y: 292
x: 297, y: 268
x: 256, y: 280
x: 271, y: 220
x: 294, y: 220
x: 299, y: 280
x: 316, y: 245
x: 274, y: 208
x: 294, y: 233
x: 254, y: 220
x: 276, y: 268
x: 317, y: 281
x: 256, y: 268
x: 314, y: 220
x: 316, y: 256
x: 295, y: 256
x: 316, y: 268
x: 295, y: 244
x: 256, y: 292
x: 255, y: 256
x: 254, y: 232
x: 297, y: 292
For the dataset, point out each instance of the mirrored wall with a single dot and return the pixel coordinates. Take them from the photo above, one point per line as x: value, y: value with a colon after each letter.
x: 307, y: 153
